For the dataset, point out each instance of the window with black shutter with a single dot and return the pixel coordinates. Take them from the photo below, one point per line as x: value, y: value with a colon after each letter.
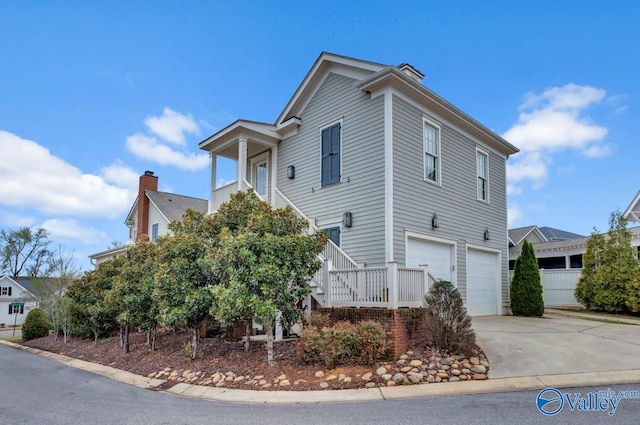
x: 334, y: 234
x: 331, y: 155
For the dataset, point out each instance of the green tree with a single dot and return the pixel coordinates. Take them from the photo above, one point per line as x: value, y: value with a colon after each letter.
x: 35, y: 325
x: 585, y: 291
x: 182, y: 282
x: 261, y: 262
x: 131, y: 294
x: 447, y: 320
x: 88, y: 306
x: 526, y: 289
x: 24, y: 251
x: 619, y: 267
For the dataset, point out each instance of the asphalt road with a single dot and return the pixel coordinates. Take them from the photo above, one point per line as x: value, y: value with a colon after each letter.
x: 38, y: 391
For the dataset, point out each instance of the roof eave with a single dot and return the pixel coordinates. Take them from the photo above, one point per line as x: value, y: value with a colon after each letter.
x: 394, y: 77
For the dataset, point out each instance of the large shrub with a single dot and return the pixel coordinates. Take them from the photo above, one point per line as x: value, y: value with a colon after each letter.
x: 35, y: 325
x: 343, y: 343
x: 447, y: 320
x: 526, y: 289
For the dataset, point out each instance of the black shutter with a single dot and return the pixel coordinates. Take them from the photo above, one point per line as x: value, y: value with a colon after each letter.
x: 9, y: 290
x: 331, y: 154
x: 334, y: 234
x: 10, y: 309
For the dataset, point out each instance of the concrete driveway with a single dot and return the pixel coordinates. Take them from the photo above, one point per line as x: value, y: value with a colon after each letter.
x: 522, y: 346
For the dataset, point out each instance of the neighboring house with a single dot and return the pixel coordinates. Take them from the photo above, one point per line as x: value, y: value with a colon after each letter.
x: 151, y: 214
x: 559, y: 259
x: 632, y: 213
x: 400, y: 179
x: 15, y: 290
x: 547, y: 258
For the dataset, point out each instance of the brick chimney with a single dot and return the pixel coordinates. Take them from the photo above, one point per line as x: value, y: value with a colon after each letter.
x: 147, y: 182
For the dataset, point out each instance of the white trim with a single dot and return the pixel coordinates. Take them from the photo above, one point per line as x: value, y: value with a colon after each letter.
x: 388, y: 175
x: 474, y: 247
x: 320, y: 130
x: 410, y: 234
x: 274, y: 172
x: 158, y: 234
x: 487, y: 200
x: 426, y: 121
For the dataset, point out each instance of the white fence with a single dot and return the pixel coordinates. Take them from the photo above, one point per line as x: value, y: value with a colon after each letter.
x: 389, y: 287
x: 558, y: 286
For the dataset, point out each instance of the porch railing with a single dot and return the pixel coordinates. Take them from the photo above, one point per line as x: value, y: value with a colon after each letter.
x: 390, y: 287
x: 220, y: 195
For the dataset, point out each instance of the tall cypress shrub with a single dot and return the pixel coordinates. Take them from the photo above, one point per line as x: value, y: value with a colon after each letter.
x: 526, y: 289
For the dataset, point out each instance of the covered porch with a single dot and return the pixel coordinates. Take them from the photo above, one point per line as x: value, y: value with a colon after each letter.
x: 254, y: 149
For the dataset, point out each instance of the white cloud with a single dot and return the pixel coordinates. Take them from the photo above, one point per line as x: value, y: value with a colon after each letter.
x: 514, y: 214
x: 149, y: 148
x: 171, y: 126
x: 121, y: 175
x: 168, y: 129
x: 550, y: 122
x: 34, y: 178
x: 72, y: 231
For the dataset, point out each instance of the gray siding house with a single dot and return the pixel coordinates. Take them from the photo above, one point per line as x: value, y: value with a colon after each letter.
x: 408, y: 187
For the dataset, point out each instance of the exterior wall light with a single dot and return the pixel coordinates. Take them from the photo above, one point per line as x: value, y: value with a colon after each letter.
x: 347, y: 219
x: 486, y: 234
x: 435, y: 223
x: 291, y: 172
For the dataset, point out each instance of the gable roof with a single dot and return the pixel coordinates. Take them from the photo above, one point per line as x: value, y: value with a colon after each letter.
x: 553, y: 234
x: 173, y: 206
x: 632, y: 213
x: 518, y: 235
x: 23, y: 282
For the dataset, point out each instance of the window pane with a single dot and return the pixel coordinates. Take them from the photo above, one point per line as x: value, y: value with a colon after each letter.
x: 430, y: 140
x: 430, y: 167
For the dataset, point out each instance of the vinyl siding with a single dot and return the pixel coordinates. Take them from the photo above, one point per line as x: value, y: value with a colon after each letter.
x: 361, y: 189
x: 462, y: 217
x: 156, y: 217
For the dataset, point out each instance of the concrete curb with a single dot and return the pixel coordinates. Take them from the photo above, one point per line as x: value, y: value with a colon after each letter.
x: 498, y: 385
x: 589, y: 316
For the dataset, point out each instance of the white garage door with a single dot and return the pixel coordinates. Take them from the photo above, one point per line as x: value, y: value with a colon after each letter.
x: 437, y: 256
x: 482, y: 283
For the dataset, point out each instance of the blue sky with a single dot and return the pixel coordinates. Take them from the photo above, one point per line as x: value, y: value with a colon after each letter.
x: 93, y: 94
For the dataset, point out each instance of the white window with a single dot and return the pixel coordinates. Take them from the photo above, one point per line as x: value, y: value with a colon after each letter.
x: 482, y: 171
x: 431, y: 134
x: 154, y: 232
x: 5, y: 290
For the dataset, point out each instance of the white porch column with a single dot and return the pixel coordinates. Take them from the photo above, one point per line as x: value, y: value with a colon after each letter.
x: 392, y: 284
x: 242, y: 162
x: 213, y: 158
x: 274, y: 173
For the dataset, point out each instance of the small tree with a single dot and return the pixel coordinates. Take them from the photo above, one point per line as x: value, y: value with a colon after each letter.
x: 447, y: 320
x: 88, y: 307
x: 261, y: 264
x: 35, y: 325
x: 526, y: 289
x: 618, y: 269
x: 181, y: 281
x: 587, y: 286
x: 51, y: 292
x: 131, y: 294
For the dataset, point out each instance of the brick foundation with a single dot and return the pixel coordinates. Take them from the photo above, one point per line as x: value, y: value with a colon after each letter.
x: 405, y: 326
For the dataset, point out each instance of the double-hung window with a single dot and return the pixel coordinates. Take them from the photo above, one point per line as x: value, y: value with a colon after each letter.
x: 431, y: 134
x: 482, y: 171
x: 16, y: 309
x: 5, y: 290
x: 154, y: 232
x: 330, y: 169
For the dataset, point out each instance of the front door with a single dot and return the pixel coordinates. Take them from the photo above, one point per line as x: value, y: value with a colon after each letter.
x: 260, y: 176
